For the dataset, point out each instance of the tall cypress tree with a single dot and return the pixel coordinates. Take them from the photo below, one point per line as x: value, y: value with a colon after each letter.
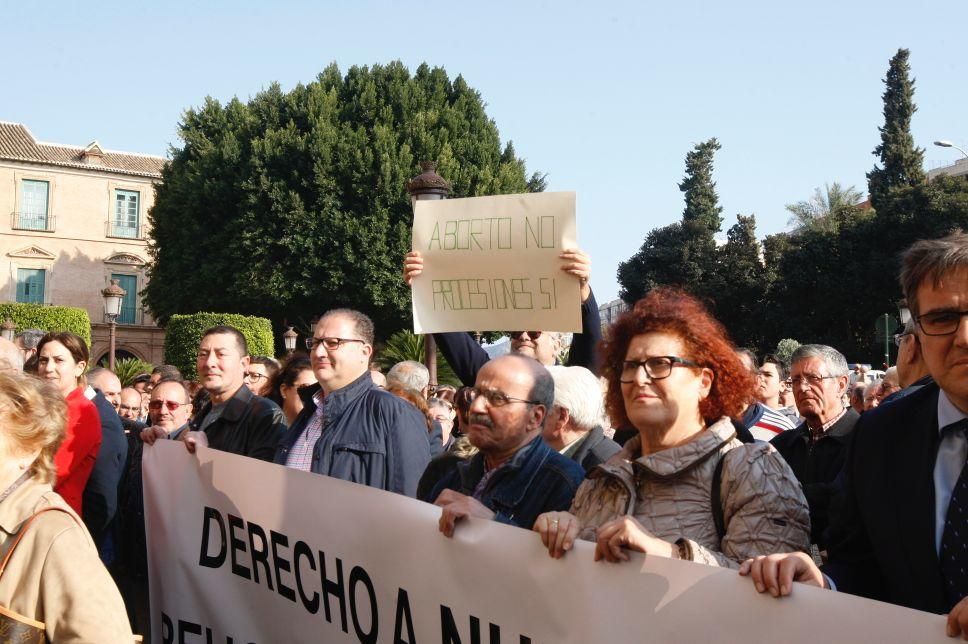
x: 902, y: 163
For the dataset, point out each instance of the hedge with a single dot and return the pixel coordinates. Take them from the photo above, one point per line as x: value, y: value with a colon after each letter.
x: 48, y: 318
x: 183, y: 333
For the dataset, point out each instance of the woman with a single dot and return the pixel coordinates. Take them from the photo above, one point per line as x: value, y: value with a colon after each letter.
x: 673, y: 375
x: 62, y: 359
x: 261, y: 371
x: 53, y: 575
x: 283, y: 390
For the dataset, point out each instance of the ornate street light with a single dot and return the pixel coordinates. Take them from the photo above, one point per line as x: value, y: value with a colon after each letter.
x: 8, y: 330
x: 113, y: 296
x: 428, y: 185
x: 289, y: 340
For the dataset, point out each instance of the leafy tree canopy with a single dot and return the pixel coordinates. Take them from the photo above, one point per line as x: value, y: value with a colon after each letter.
x: 294, y: 202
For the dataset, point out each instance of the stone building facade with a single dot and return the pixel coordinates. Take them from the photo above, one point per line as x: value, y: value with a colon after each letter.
x: 77, y: 218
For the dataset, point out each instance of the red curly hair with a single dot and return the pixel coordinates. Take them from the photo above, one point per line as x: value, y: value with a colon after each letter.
x: 673, y: 311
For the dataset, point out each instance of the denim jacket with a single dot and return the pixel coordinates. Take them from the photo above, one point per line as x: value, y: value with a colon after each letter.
x: 537, y: 479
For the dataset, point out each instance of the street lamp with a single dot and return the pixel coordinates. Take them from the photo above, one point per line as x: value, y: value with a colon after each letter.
x: 289, y: 340
x: 427, y: 186
x: 113, y: 295
x: 949, y: 144
x: 8, y: 330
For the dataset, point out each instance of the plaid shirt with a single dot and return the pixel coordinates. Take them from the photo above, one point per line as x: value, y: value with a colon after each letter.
x: 301, y: 455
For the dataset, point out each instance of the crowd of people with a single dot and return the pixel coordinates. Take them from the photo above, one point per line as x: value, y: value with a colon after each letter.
x: 661, y: 437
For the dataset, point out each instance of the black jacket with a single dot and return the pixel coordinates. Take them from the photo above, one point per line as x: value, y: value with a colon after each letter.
x: 100, y: 500
x: 466, y: 356
x: 249, y: 426
x: 369, y: 437
x: 595, y: 448
x: 817, y: 466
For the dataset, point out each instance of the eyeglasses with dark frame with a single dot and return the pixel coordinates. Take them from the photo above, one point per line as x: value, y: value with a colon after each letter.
x: 331, y: 344
x: 516, y: 335
x: 940, y: 322
x: 496, y: 398
x: 255, y: 376
x: 656, y: 367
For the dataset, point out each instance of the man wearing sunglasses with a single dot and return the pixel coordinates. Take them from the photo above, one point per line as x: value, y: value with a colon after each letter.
x: 901, y: 535
x: 466, y: 356
x: 349, y: 428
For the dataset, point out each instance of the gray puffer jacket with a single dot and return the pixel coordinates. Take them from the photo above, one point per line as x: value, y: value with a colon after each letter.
x: 669, y: 493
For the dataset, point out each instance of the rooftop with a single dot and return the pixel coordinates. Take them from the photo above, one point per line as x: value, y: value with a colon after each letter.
x: 18, y: 144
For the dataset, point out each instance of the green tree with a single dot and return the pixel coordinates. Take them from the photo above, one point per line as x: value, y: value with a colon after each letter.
x: 294, y: 202
x: 785, y: 348
x: 681, y: 254
x: 406, y: 345
x: 902, y: 163
x: 826, y: 208
x: 738, y: 286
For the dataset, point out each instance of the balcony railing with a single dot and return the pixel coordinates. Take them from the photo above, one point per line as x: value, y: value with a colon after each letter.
x: 43, y: 223
x: 113, y: 228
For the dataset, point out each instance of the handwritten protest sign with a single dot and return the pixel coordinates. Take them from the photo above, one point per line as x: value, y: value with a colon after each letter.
x: 241, y: 551
x: 491, y: 264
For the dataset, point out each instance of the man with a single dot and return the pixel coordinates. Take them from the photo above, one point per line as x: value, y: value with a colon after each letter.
x: 27, y: 340
x: 105, y: 381
x: 410, y: 375
x: 378, y: 378
x: 466, y: 356
x: 857, y: 393
x: 100, y: 501
x: 515, y: 476
x: 140, y: 382
x: 816, y: 450
x: 770, y: 383
x: 234, y: 419
x: 162, y: 372
x: 129, y: 405
x: 872, y: 395
x: 11, y: 358
x: 890, y: 384
x: 760, y: 420
x: 349, y: 428
x: 905, y: 480
x: 912, y: 373
x: 260, y: 373
x: 169, y: 410
x: 574, y: 425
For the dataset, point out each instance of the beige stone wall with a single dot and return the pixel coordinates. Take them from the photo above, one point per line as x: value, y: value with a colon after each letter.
x: 78, y: 254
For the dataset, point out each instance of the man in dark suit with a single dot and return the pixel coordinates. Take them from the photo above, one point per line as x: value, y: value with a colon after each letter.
x: 906, y: 487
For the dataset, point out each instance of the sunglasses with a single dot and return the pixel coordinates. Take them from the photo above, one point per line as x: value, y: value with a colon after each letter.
x: 534, y: 335
x: 170, y: 404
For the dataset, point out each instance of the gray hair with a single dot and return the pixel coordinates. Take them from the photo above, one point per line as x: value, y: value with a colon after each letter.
x: 931, y: 259
x: 30, y: 338
x: 577, y: 390
x: 833, y: 359
x: 11, y: 356
x: 410, y: 375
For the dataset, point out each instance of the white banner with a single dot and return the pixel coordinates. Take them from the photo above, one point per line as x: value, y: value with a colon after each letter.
x: 491, y: 264
x: 262, y: 554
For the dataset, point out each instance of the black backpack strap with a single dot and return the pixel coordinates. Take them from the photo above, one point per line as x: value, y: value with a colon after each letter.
x: 716, y: 499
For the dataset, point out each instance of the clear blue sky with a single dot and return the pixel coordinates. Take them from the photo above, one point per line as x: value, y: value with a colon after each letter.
x: 607, y: 98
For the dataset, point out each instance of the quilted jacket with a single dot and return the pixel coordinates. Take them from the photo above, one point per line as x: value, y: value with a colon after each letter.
x: 669, y: 493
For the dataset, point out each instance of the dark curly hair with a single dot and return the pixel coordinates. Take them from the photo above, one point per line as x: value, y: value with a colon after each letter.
x: 669, y: 310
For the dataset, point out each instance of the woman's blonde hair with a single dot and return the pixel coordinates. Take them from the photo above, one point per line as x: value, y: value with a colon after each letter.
x: 32, y: 418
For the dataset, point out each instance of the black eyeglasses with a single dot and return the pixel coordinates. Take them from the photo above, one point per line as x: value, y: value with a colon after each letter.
x: 331, y: 344
x: 255, y: 376
x: 656, y: 367
x: 496, y: 398
x: 940, y: 322
x: 534, y: 335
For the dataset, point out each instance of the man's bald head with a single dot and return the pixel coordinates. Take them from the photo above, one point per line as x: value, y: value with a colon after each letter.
x: 108, y: 383
x: 11, y: 358
x: 130, y: 407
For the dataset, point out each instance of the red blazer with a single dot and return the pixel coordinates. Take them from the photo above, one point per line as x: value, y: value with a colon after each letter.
x: 76, y: 456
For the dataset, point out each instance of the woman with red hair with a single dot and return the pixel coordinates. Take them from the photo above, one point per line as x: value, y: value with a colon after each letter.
x: 685, y: 487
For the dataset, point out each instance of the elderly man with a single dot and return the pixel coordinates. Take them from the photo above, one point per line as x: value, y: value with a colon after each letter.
x: 349, y: 428
x: 129, y: 405
x: 912, y: 373
x: 515, y: 476
x: 107, y: 383
x: 816, y: 450
x: 27, y: 340
x: 574, y: 425
x: 410, y: 375
x: 234, y: 419
x: 905, y: 481
x: 11, y: 358
x: 466, y: 356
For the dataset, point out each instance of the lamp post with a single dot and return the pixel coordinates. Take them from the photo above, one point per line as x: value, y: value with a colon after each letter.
x: 289, y: 340
x: 428, y: 185
x: 113, y: 295
x: 8, y: 330
x: 948, y: 144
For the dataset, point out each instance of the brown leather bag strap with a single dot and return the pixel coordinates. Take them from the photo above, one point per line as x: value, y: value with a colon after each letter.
x: 23, y: 530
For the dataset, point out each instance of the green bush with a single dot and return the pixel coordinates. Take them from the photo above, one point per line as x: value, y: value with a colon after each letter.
x: 183, y: 333
x: 48, y: 318
x: 127, y: 369
x: 405, y: 345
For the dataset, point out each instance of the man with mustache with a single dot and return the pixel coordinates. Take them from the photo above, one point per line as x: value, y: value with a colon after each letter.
x: 515, y: 476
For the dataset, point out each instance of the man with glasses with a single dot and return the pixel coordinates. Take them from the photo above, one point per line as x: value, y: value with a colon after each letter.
x: 349, y: 428
x: 912, y: 373
x: 466, y: 356
x: 817, y: 448
x: 515, y: 476
x: 901, y: 535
